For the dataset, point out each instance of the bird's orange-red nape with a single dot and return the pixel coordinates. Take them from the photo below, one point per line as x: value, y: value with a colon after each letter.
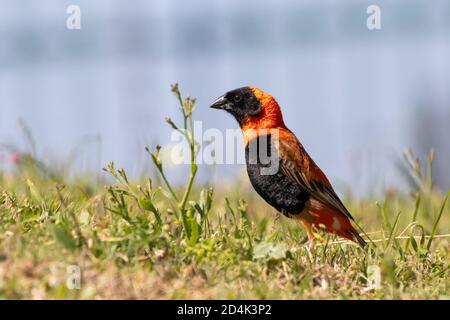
x: 269, y: 118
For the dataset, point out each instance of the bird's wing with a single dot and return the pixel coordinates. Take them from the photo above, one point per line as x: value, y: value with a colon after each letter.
x: 296, y: 164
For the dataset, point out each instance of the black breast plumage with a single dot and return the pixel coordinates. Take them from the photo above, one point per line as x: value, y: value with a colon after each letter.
x: 278, y: 190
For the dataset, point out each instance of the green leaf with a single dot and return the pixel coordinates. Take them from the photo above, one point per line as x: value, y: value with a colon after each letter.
x: 413, y: 243
x: 195, y: 231
x: 436, y: 223
x: 146, y: 204
x: 269, y: 250
x: 422, y: 253
x: 34, y: 191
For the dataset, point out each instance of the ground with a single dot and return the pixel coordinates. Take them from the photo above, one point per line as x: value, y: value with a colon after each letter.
x: 227, y: 249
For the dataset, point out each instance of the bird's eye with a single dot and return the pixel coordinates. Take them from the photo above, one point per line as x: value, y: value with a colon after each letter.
x: 237, y: 98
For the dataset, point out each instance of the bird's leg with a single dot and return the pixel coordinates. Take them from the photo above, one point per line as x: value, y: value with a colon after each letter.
x: 309, y: 233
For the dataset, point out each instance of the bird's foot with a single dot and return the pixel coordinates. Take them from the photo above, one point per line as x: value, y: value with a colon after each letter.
x: 311, y: 242
x: 320, y: 238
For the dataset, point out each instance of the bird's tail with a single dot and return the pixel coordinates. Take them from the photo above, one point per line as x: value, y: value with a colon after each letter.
x: 357, y: 238
x: 335, y: 222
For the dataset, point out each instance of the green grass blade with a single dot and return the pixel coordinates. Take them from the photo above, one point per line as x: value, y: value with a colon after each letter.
x: 436, y: 223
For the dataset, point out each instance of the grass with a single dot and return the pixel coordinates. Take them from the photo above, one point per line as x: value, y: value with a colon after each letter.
x: 150, y: 239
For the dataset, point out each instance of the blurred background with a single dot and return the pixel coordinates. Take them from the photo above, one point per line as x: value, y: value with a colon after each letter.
x: 355, y: 97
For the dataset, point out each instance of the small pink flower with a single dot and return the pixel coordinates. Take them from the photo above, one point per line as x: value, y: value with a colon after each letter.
x: 14, y: 158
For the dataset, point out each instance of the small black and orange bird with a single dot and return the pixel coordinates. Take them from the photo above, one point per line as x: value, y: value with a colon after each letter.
x: 297, y: 187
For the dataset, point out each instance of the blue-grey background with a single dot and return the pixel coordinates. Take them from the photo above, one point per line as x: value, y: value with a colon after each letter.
x: 355, y: 97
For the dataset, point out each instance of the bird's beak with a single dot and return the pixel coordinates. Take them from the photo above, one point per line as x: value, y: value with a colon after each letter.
x: 221, y: 103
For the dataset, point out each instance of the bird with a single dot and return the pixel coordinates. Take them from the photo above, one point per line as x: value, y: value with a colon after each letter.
x: 280, y: 169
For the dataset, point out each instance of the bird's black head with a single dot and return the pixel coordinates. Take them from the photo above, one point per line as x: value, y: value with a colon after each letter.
x: 240, y: 102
